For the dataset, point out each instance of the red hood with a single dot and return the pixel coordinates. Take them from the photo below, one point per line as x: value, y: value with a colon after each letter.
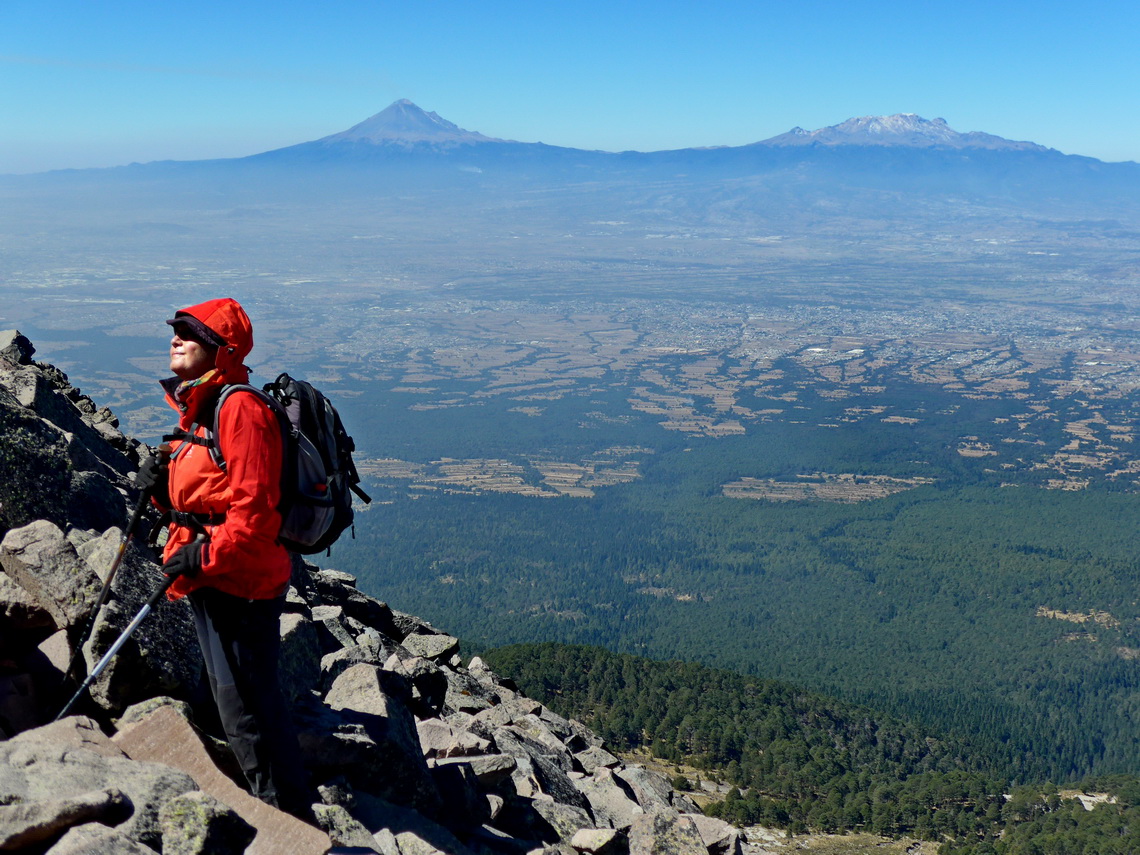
x: 228, y: 320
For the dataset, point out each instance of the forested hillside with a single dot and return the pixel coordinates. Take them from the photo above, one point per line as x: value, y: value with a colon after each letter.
x: 804, y: 762
x: 1009, y: 615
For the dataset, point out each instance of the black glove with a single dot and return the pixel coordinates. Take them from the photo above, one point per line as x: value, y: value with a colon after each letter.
x: 187, y: 561
x: 154, y: 477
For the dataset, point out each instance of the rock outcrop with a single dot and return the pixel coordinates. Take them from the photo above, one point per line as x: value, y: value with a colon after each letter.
x: 412, y: 751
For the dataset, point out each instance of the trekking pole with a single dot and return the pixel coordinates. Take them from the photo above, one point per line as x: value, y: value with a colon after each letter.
x: 167, y: 581
x: 127, y: 536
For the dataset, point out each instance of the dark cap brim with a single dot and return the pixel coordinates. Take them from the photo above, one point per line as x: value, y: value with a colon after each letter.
x: 198, y: 328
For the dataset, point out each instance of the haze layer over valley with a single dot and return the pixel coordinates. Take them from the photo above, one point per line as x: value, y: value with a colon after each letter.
x: 647, y: 360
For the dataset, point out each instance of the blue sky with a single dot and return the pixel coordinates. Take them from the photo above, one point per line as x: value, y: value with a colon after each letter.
x: 87, y: 83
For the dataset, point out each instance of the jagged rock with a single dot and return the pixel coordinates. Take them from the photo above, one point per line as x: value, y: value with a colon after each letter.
x: 429, y: 683
x: 465, y: 693
x: 537, y: 729
x: 386, y: 842
x: 104, y: 416
x: 61, y: 467
x: 595, y: 758
x: 650, y: 789
x: 137, y: 712
x: 337, y: 791
x: 524, y: 778
x: 295, y: 602
x: 42, y: 561
x: 464, y: 721
x: 557, y: 783
x: 98, y: 550
x: 80, y: 538
x: 490, y: 840
x: 495, y: 805
x: 566, y: 820
x: 665, y: 832
x: 302, y: 583
x: 107, y: 426
x: 97, y: 839
x: 343, y: 829
x: 683, y: 804
x: 368, y: 635
x: 719, y: 837
x: 300, y: 662
x: 336, y: 663
x: 198, y: 824
x: 162, y: 656
x: 337, y: 588
x: 512, y: 739
x: 165, y: 737
x: 359, y: 630
x: 336, y: 577
x: 16, y: 347
x: 505, y: 689
x: 93, y: 502
x: 19, y: 611
x: 479, y: 669
x: 34, y: 660
x: 53, y: 655
x: 414, y: 833
x: 440, y: 739
x: 75, y: 731
x: 556, y: 723
x: 406, y: 624
x: 489, y: 769
x: 583, y: 738
x: 33, y: 458
x: 18, y: 704
x: 35, y: 822
x: 388, y: 759
x: 598, y: 841
x: 506, y: 712
x: 612, y: 803
x: 336, y: 744
x: 409, y: 843
x: 557, y: 849
x: 543, y: 819
x: 437, y: 647
x: 45, y: 390
x: 537, y: 775
x: 35, y: 767
x: 368, y: 689
x: 18, y: 384
x: 331, y: 629
x: 33, y: 689
x: 459, y: 789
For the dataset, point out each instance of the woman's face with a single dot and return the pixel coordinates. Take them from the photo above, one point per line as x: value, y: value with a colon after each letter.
x: 190, y: 358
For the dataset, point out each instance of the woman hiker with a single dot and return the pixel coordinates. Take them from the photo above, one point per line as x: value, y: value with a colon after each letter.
x: 222, y: 549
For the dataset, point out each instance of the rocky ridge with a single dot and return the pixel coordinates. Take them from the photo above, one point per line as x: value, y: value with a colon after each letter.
x: 412, y: 751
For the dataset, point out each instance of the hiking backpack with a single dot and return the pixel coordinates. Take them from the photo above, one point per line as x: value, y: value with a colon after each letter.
x: 318, y: 477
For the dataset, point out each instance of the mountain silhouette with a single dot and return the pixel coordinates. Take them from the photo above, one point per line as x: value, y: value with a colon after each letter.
x: 901, y: 129
x: 870, y: 165
x: 404, y: 122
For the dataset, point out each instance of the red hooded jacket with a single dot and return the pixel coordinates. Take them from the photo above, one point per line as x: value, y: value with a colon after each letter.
x: 243, y: 557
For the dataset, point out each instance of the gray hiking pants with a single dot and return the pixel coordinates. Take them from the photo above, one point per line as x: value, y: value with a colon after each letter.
x: 241, y: 642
